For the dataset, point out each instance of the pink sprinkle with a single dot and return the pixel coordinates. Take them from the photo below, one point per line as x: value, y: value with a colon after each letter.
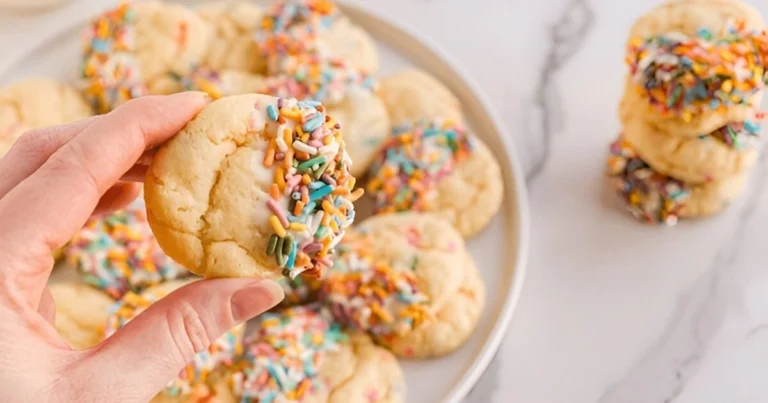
x: 326, y: 261
x: 279, y: 103
x: 313, y: 247
x: 278, y: 212
x: 327, y: 179
x: 317, y: 134
x: 279, y: 156
x: 292, y: 182
x: 315, y: 143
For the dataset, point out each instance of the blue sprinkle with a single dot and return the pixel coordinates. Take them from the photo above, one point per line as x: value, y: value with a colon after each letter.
x: 751, y: 127
x: 714, y: 104
x: 272, y: 112
x: 309, y: 208
x: 314, y: 123
x: 316, y: 185
x: 321, y: 192
x: 99, y: 45
x: 292, y: 255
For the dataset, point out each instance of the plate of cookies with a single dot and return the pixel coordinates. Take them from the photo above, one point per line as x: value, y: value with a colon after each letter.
x: 341, y: 155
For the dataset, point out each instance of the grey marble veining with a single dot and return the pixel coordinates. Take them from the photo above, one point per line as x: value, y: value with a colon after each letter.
x: 543, y: 115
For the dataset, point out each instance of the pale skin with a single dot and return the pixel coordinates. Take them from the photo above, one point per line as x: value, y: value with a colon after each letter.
x: 51, y: 181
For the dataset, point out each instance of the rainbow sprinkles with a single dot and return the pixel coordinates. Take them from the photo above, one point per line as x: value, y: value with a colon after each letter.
x: 312, y: 193
x: 686, y: 75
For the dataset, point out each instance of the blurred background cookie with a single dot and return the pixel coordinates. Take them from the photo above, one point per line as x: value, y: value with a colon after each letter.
x: 437, y: 167
x: 233, y: 45
x: 81, y: 313
x: 412, y: 95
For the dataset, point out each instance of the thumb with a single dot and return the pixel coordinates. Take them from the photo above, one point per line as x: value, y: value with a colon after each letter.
x: 154, y: 347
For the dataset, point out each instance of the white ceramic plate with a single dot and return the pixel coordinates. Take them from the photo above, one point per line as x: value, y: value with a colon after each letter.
x: 500, y: 250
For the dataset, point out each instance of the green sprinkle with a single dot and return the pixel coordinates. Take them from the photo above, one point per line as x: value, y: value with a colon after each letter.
x: 279, y: 252
x: 272, y: 245
x: 287, y: 244
x: 306, y: 165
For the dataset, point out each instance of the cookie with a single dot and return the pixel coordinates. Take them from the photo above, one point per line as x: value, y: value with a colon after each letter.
x: 253, y: 186
x: 412, y: 95
x: 35, y: 103
x: 117, y: 253
x: 81, y: 313
x: 728, y: 151
x: 452, y: 324
x: 366, y: 126
x: 351, y: 43
x: 285, y: 355
x: 700, y: 70
x: 652, y: 197
x: 690, y: 16
x: 134, y: 43
x: 363, y: 372
x: 394, y: 275
x: 319, y: 27
x: 233, y: 45
x: 300, y: 355
x: 195, y: 375
x: 437, y: 167
x: 216, y: 83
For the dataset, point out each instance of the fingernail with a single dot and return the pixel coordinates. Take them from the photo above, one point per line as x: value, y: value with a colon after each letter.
x: 255, y: 299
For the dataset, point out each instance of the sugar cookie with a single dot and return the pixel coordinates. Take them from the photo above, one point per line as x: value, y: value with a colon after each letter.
x: 253, y: 186
x: 452, y: 324
x: 134, y: 43
x: 117, y: 253
x: 728, y: 151
x: 656, y: 198
x: 693, y: 68
x: 81, y: 312
x: 396, y: 276
x: 35, y: 103
x: 318, y: 26
x: 195, y: 375
x: 233, y: 45
x: 437, y: 167
x: 412, y: 95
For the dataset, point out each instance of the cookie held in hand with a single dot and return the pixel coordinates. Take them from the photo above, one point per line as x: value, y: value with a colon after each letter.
x: 253, y: 186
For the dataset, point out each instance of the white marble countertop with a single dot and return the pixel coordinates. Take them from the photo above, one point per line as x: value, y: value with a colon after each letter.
x: 612, y: 311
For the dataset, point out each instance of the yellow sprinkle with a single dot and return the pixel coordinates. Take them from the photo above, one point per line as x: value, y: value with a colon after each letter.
x: 727, y: 86
x: 306, y: 179
x: 759, y: 73
x: 326, y: 219
x: 334, y: 226
x: 382, y: 314
x: 296, y: 226
x: 288, y: 137
x: 351, y: 183
x: 280, y: 178
x: 328, y: 207
x: 275, y: 222
x: 299, y: 130
x: 327, y: 140
x: 290, y: 114
x: 687, y: 116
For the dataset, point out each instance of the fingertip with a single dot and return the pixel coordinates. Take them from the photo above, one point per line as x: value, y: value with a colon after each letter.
x: 256, y: 298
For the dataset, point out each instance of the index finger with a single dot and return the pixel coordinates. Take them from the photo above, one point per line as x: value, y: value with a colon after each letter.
x: 44, y: 210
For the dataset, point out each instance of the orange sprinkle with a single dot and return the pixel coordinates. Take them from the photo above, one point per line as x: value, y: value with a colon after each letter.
x: 357, y: 194
x: 274, y: 192
x: 298, y: 208
x: 269, y: 157
x: 340, y: 191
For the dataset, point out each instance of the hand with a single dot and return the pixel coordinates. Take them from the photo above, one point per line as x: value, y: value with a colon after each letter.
x: 51, y: 181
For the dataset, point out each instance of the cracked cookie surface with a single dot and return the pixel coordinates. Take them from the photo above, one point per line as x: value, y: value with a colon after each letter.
x: 412, y: 95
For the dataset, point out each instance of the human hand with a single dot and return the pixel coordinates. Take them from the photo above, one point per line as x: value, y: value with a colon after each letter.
x: 51, y: 181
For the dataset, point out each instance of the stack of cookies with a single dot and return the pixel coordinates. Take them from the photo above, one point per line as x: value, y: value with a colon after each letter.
x: 265, y: 182
x: 690, y: 109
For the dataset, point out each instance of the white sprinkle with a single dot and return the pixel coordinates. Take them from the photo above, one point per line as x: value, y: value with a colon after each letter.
x: 330, y: 149
x: 297, y: 145
x: 281, y: 144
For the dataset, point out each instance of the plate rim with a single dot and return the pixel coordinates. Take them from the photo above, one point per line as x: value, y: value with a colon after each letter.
x: 515, y: 192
